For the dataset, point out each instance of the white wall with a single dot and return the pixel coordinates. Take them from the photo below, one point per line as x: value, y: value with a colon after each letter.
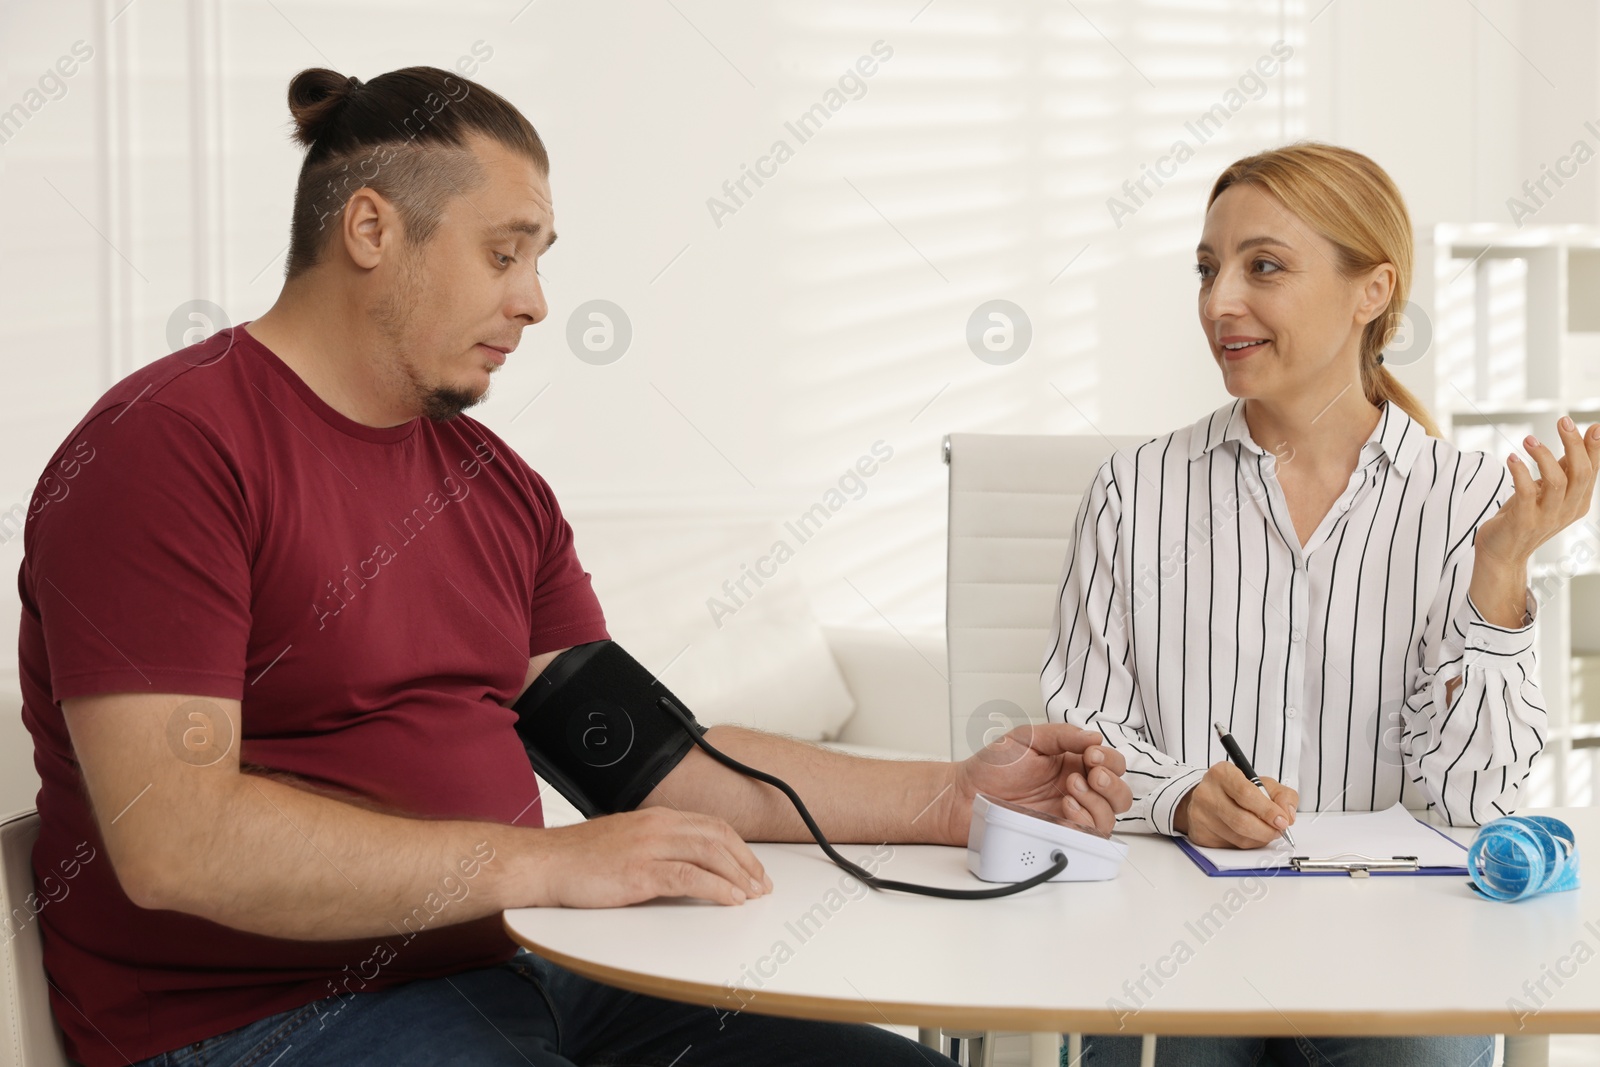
x: 830, y: 310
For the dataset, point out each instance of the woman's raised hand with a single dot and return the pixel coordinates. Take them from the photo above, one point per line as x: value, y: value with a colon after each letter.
x: 1538, y: 510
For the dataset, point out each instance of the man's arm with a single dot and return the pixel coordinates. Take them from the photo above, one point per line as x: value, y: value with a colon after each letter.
x: 185, y: 830
x: 1054, y: 768
x: 852, y: 798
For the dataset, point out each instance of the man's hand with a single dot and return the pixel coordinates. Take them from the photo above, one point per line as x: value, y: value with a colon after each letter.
x: 1226, y: 810
x: 632, y: 856
x: 1051, y: 767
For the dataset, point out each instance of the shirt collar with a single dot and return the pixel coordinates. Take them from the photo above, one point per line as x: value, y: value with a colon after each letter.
x: 1397, y: 435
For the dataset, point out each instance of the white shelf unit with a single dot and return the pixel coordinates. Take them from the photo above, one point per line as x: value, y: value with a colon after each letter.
x: 1515, y: 323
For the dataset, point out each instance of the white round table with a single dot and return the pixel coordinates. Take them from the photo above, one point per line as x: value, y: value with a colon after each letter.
x: 1161, y: 949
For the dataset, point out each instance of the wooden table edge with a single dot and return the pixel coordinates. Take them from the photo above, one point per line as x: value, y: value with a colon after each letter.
x: 1267, y: 1022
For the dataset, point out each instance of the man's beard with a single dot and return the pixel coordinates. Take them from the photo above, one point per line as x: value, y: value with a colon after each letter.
x: 393, y: 315
x: 443, y: 403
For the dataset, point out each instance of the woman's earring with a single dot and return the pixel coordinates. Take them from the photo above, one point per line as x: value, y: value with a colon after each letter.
x: 1380, y: 357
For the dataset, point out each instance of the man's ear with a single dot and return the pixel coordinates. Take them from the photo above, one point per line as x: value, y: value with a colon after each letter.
x: 369, y: 227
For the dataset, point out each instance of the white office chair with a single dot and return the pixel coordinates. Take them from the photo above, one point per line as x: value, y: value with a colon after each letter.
x: 1013, y: 500
x: 29, y: 1036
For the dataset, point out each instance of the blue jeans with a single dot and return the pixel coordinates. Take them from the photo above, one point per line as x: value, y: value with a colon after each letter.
x: 1100, y: 1051
x: 528, y: 1011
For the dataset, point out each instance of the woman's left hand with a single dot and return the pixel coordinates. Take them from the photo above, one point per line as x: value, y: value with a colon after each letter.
x: 1538, y: 510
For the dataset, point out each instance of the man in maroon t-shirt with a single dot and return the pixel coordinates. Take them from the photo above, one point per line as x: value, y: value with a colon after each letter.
x: 278, y: 595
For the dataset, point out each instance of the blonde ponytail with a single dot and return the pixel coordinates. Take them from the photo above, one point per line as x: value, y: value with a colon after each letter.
x: 1380, y: 384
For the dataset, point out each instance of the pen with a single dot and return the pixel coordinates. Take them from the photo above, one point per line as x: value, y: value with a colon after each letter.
x: 1236, y: 754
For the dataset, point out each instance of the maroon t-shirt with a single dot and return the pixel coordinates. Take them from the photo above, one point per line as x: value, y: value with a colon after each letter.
x: 373, y: 596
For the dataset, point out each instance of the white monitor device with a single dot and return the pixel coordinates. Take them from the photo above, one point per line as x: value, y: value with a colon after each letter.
x: 1012, y: 843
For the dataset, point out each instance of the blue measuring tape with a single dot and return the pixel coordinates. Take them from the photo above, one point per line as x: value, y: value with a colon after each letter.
x: 1521, y: 856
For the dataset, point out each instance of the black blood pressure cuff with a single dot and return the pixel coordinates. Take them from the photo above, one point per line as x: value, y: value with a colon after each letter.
x: 592, y: 728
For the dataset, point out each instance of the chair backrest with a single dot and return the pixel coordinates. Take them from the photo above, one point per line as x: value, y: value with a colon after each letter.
x: 1013, y: 502
x: 29, y: 1036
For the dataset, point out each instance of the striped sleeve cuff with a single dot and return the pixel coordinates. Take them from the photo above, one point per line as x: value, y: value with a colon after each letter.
x: 1487, y: 638
x: 1165, y: 797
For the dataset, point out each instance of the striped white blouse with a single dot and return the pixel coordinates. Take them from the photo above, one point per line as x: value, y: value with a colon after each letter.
x: 1186, y: 598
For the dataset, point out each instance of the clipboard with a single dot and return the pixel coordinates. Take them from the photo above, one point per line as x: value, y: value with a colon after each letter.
x: 1390, y: 842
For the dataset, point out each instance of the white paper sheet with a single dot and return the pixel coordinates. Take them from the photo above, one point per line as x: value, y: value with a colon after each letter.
x: 1348, y: 835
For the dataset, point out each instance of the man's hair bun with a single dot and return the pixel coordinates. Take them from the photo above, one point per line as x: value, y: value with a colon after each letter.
x: 315, y: 96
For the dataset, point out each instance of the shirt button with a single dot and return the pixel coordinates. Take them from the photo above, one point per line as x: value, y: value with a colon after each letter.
x: 1295, y: 635
x: 1289, y: 712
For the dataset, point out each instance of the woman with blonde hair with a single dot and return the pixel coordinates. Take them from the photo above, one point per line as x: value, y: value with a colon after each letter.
x: 1310, y: 566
